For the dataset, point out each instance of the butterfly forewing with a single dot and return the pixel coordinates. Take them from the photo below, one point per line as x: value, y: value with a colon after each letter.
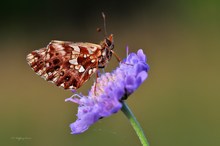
x: 66, y: 64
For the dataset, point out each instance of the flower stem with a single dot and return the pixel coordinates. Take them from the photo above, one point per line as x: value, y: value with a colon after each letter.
x: 126, y: 110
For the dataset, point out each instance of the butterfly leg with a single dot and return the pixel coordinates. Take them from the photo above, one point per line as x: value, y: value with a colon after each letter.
x: 116, y: 56
x: 96, y: 80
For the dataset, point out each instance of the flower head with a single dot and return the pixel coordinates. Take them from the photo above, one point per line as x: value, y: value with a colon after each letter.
x: 106, y: 95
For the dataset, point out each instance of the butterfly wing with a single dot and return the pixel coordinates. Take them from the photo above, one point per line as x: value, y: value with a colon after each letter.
x: 65, y: 64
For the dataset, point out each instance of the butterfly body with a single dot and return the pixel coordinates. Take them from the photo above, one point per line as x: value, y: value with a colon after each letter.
x: 69, y: 64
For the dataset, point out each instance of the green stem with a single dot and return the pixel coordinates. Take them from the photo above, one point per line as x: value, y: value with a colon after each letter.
x: 126, y: 110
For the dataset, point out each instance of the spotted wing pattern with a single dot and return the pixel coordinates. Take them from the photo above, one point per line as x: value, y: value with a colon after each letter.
x: 66, y: 64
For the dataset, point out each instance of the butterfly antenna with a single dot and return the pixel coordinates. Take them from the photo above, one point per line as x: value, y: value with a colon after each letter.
x: 103, y: 16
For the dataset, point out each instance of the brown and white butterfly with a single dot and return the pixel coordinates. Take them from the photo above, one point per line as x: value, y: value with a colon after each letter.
x: 69, y: 64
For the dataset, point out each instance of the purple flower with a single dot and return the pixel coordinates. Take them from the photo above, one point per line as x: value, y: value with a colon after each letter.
x: 111, y: 89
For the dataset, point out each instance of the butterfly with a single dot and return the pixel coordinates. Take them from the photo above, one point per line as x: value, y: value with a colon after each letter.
x: 69, y: 64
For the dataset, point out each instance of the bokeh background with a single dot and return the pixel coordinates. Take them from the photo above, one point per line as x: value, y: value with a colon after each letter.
x: 178, y: 105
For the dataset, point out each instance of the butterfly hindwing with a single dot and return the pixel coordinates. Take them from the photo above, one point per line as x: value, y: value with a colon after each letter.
x: 65, y: 64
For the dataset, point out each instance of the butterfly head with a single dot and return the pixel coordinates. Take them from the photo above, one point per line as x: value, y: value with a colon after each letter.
x: 106, y: 51
x: 109, y: 42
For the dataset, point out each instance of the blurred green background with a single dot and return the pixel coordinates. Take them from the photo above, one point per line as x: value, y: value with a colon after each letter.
x: 179, y: 103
